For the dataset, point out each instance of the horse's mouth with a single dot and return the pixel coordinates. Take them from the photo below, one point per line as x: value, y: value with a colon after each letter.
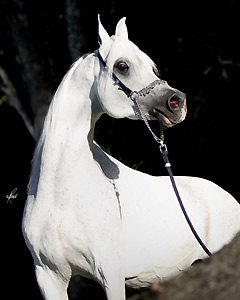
x: 163, y: 119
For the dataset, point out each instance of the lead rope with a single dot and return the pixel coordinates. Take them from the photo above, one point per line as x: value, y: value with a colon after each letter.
x: 164, y: 152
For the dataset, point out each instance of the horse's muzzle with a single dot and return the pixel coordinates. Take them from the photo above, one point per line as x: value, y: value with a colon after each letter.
x: 170, y: 108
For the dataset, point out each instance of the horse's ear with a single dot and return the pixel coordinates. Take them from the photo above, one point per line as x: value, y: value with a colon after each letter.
x: 121, y: 29
x: 103, y: 36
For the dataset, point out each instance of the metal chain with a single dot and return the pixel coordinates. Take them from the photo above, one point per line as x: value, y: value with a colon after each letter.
x: 134, y: 97
x: 145, y: 91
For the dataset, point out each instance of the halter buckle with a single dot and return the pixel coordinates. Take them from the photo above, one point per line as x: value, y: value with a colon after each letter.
x: 163, y: 148
x: 134, y: 96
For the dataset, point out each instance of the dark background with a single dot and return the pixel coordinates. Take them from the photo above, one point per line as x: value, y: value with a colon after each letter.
x: 194, y: 43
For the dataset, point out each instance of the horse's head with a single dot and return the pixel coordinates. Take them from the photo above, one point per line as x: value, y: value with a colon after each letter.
x: 124, y: 68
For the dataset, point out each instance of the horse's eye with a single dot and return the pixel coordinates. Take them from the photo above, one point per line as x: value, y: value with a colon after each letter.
x: 122, y: 66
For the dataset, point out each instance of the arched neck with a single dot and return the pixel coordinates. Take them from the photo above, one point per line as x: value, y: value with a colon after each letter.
x: 68, y: 131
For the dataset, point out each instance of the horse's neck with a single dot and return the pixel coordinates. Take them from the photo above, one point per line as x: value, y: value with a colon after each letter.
x: 67, y: 134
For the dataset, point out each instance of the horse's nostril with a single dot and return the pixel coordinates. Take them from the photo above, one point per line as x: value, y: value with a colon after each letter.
x: 173, y: 103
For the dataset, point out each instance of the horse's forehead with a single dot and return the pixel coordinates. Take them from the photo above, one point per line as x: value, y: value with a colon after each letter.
x: 122, y: 48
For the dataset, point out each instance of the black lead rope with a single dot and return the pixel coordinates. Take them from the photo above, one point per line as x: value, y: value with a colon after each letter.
x: 134, y: 95
x: 164, y: 153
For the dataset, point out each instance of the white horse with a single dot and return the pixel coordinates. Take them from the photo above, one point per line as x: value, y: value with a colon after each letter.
x: 89, y: 214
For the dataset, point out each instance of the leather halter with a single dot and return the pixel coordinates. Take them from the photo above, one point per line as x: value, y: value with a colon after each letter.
x: 134, y: 95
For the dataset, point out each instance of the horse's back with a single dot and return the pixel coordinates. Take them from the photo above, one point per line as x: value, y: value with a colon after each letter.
x: 155, y: 224
x: 151, y: 200
x: 217, y: 209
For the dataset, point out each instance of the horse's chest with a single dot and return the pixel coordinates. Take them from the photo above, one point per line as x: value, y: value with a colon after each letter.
x: 81, y: 207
